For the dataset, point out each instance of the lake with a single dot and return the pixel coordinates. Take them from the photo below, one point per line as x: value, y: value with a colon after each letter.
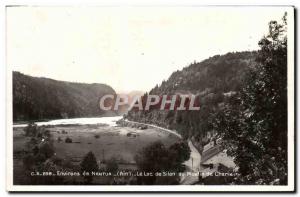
x: 111, y: 121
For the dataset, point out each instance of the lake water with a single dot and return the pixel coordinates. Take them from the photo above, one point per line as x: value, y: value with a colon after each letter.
x: 111, y: 121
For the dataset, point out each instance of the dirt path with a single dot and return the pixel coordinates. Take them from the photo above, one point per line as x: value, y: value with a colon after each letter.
x: 193, y: 165
x: 194, y: 162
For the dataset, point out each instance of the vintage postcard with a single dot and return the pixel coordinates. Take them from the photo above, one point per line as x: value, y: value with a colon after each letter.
x: 150, y: 99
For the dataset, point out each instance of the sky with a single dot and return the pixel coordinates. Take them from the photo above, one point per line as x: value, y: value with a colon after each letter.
x: 128, y: 48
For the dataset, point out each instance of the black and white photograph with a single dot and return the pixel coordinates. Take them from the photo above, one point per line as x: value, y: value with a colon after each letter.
x: 178, y: 98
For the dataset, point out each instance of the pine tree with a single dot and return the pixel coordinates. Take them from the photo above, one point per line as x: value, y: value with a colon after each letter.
x: 89, y: 164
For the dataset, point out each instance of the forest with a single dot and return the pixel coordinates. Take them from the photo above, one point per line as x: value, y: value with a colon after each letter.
x: 38, y: 98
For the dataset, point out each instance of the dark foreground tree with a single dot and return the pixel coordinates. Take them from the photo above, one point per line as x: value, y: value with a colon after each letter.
x: 89, y: 165
x: 254, y: 122
x: 182, y: 151
x: 156, y: 158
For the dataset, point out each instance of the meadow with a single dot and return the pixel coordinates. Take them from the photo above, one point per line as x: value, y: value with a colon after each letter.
x: 105, y: 141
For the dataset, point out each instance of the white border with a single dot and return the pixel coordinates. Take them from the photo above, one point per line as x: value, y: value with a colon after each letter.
x: 187, y: 188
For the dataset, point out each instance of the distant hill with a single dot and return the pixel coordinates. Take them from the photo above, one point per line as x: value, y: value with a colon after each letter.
x: 212, y: 80
x: 123, y: 109
x: 36, y: 98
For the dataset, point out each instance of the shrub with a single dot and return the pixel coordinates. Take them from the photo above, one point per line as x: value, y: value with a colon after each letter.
x: 143, y: 127
x: 68, y: 140
x: 47, y: 133
x: 31, y: 129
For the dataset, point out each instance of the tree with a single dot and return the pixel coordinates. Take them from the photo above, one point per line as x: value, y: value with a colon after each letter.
x: 89, y: 165
x: 157, y: 158
x: 181, y: 150
x: 150, y: 160
x: 254, y: 122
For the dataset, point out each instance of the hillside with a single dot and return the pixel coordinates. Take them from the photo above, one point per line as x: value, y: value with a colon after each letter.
x: 37, y: 98
x: 214, y: 80
x: 215, y: 74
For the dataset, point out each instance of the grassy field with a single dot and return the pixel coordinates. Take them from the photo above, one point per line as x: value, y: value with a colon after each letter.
x: 104, y: 141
